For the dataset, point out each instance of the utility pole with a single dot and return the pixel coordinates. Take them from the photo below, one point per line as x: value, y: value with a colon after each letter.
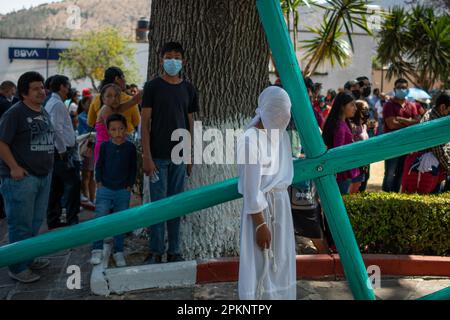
x: 48, y: 54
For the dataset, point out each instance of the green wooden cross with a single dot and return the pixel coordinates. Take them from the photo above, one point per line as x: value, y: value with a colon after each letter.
x: 319, y: 165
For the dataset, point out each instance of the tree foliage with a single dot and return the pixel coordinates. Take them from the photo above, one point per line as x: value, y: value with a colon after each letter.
x: 416, y: 45
x: 340, y: 19
x: 95, y: 51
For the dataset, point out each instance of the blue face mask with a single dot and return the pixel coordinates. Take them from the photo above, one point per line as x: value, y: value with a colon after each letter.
x: 401, y: 93
x: 173, y: 66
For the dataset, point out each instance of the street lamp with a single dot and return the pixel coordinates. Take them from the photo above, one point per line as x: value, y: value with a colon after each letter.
x: 48, y: 53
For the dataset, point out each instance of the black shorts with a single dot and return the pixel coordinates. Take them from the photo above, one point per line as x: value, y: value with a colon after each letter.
x: 308, y: 223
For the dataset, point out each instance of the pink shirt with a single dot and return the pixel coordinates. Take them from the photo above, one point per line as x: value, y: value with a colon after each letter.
x: 342, y: 137
x: 102, y: 136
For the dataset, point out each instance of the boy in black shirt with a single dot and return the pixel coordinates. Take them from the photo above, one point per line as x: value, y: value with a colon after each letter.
x: 115, y: 174
x: 169, y: 103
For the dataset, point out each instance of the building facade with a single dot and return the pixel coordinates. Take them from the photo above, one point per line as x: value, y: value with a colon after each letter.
x: 18, y: 56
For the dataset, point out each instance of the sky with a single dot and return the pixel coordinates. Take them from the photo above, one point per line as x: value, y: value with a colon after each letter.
x: 7, y: 6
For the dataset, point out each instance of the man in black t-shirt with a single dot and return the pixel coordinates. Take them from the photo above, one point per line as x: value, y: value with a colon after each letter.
x: 168, y: 104
x: 26, y: 162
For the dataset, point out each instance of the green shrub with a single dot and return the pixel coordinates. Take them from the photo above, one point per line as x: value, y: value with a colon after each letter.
x: 400, y: 223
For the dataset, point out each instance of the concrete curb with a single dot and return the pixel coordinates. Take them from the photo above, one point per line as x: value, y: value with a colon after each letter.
x: 106, y: 281
x: 99, y: 284
x: 320, y: 266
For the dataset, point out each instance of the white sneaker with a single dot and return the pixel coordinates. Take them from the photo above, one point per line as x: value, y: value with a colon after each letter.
x: 97, y: 257
x: 83, y: 198
x: 119, y: 259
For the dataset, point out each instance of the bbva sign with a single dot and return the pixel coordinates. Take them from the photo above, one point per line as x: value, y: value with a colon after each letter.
x: 34, y: 53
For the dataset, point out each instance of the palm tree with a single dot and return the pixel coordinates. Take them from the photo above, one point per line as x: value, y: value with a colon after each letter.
x: 335, y: 50
x: 290, y: 11
x: 416, y: 45
x: 340, y: 15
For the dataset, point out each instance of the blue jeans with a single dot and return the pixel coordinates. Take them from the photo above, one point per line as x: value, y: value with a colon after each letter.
x: 117, y: 200
x: 171, y: 182
x: 393, y: 173
x: 26, y: 203
x: 344, y: 186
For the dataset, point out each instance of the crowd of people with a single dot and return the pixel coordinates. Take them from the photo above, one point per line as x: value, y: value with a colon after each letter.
x: 357, y: 113
x: 61, y: 148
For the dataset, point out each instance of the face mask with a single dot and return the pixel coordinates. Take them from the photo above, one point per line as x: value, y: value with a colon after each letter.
x: 356, y: 94
x: 173, y: 66
x: 401, y: 93
x: 365, y: 114
x: 366, y: 92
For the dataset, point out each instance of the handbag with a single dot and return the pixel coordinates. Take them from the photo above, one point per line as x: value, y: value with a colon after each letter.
x: 87, y: 147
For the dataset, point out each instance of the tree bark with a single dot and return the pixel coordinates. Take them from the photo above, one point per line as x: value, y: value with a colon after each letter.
x: 227, y: 60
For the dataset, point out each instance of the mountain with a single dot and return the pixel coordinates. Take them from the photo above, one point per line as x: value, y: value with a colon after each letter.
x: 51, y: 20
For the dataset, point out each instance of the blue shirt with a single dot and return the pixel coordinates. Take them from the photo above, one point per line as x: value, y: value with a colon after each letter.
x: 116, y: 168
x: 83, y: 127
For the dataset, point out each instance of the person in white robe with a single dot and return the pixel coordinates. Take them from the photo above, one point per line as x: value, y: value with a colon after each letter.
x: 267, y: 244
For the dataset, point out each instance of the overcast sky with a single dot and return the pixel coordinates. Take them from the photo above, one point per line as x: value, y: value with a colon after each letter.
x: 7, y: 6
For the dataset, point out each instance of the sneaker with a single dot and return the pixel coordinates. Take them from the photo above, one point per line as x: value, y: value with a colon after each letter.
x: 154, y: 259
x: 83, y: 198
x: 119, y: 259
x: 97, y: 257
x: 39, y: 264
x: 174, y: 258
x: 26, y: 276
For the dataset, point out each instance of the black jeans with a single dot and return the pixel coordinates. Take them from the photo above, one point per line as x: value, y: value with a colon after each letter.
x: 363, y: 187
x: 64, y: 193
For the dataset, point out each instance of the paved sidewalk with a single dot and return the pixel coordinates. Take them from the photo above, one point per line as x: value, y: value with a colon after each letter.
x: 53, y: 284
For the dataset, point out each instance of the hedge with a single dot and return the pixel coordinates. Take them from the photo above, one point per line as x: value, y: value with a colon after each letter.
x: 394, y: 223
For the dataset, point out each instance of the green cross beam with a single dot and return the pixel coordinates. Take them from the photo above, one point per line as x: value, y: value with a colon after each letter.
x: 319, y: 165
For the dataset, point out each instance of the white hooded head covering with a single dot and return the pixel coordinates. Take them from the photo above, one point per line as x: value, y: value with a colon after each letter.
x: 274, y: 109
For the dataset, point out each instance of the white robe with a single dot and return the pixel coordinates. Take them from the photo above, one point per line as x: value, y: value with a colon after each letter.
x: 272, y: 277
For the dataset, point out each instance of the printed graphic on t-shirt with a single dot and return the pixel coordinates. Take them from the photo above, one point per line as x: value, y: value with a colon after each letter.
x: 42, y: 135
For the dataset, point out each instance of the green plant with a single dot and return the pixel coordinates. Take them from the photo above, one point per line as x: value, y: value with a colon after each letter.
x: 401, y: 223
x: 416, y: 45
x: 95, y: 51
x: 340, y: 16
x: 290, y: 11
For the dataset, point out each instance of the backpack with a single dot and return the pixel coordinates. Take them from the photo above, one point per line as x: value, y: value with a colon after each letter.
x: 303, y: 196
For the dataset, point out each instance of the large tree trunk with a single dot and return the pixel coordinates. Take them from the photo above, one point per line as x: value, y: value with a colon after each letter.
x: 227, y: 60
